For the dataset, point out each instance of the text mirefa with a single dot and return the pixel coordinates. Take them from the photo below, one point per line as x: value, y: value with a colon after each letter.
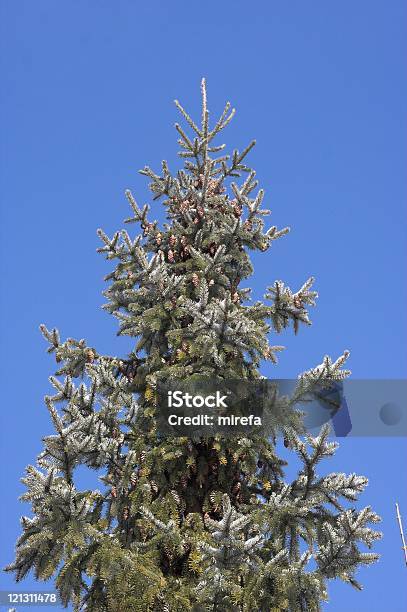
x: 209, y: 420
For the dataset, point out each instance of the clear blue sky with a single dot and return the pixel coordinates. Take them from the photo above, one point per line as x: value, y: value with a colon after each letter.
x: 87, y: 100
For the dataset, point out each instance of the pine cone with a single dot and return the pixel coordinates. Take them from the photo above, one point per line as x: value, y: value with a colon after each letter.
x: 159, y: 238
x: 195, y: 279
x: 237, y: 488
x: 172, y: 240
x: 90, y: 355
x: 212, y: 248
x: 147, y: 228
x: 215, y: 187
x: 171, y: 256
x: 199, y: 181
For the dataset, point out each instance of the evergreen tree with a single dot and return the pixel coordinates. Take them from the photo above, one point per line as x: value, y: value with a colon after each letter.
x: 182, y: 523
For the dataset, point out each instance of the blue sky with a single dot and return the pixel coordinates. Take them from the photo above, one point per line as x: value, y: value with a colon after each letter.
x: 87, y: 101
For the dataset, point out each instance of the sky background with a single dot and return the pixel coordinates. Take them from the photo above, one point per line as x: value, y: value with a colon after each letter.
x: 87, y: 91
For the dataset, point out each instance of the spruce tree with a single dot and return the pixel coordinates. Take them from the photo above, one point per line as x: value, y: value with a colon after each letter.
x: 186, y: 523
